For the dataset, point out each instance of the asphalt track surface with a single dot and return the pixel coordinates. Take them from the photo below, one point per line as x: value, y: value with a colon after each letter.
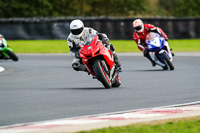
x: 45, y: 87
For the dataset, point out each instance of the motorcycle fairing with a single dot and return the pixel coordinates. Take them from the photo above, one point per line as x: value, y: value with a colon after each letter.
x: 158, y: 60
x: 4, y: 47
x: 156, y: 46
x: 94, y: 51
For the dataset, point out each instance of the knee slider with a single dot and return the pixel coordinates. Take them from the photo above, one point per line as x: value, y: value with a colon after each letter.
x: 76, y: 66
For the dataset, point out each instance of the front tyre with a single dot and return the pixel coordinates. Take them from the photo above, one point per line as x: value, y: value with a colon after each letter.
x: 167, y: 61
x: 12, y: 55
x: 101, y: 75
x: 116, y: 82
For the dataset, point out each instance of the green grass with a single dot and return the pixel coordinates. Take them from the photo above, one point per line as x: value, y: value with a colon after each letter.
x: 176, y: 45
x: 60, y: 46
x: 181, y: 126
x: 39, y: 46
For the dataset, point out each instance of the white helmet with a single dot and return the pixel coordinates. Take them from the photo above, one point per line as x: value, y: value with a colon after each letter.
x: 76, y: 27
x: 138, y: 25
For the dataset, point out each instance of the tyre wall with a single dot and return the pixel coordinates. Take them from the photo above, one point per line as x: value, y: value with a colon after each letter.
x: 115, y: 28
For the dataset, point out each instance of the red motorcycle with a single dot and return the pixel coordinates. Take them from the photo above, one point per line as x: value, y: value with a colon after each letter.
x: 99, y: 62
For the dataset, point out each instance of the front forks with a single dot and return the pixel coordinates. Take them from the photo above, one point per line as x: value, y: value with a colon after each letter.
x: 111, y: 72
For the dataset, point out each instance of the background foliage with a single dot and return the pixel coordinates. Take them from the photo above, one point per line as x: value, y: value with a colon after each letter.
x: 119, y: 8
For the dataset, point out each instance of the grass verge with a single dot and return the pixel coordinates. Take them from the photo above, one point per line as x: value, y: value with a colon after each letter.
x: 183, y: 125
x: 60, y: 46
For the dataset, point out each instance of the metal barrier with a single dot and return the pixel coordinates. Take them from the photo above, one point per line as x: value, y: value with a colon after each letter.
x: 115, y: 28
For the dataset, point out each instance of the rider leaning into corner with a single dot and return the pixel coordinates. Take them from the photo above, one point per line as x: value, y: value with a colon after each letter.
x: 141, y: 31
x: 79, y: 35
x: 2, y: 42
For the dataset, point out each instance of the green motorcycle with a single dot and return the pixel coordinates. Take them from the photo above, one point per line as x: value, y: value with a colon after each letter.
x: 5, y: 51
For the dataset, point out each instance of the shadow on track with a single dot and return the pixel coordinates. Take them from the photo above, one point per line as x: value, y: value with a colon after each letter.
x: 150, y: 70
x: 78, y: 88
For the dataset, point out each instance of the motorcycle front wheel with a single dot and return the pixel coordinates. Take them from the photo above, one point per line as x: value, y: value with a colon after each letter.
x: 12, y: 55
x: 116, y: 82
x: 167, y: 61
x: 101, y: 74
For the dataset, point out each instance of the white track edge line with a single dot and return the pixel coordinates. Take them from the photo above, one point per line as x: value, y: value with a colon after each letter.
x: 119, y: 112
x: 2, y: 69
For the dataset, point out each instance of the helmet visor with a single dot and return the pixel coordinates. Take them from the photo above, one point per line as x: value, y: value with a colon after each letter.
x: 138, y: 28
x: 77, y: 31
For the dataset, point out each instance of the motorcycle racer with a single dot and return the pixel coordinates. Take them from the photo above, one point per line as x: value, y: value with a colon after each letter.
x: 5, y: 51
x: 140, y: 33
x: 2, y: 43
x: 79, y: 35
x: 2, y: 40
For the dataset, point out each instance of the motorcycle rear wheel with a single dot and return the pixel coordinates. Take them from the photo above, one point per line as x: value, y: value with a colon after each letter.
x: 167, y: 61
x: 101, y: 75
x: 12, y: 55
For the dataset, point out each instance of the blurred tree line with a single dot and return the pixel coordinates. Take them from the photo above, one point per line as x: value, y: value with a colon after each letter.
x: 116, y: 8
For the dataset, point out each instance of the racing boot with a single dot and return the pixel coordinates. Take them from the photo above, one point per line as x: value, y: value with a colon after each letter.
x: 117, y: 62
x: 152, y: 62
x: 172, y: 52
x: 165, y: 67
x: 79, y: 67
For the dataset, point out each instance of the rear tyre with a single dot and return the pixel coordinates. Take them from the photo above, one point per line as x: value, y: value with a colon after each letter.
x: 12, y: 55
x: 101, y: 75
x: 117, y: 82
x: 167, y: 61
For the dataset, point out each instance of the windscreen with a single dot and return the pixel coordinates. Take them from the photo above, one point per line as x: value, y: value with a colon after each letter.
x: 89, y: 39
x: 151, y: 36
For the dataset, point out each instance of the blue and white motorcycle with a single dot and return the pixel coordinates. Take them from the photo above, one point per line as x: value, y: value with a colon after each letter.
x: 159, y: 50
